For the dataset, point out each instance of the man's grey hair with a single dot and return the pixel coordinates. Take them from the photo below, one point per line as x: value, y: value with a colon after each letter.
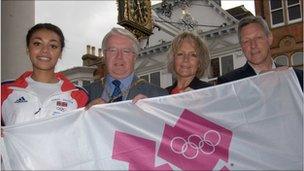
x: 122, y: 32
x: 253, y: 19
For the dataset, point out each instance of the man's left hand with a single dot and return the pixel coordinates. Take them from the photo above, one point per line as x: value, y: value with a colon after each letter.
x: 138, y: 97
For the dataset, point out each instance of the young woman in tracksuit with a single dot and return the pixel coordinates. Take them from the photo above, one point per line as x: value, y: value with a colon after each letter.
x: 40, y: 93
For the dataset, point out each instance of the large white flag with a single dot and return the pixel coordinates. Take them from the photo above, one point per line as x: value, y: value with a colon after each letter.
x: 253, y: 124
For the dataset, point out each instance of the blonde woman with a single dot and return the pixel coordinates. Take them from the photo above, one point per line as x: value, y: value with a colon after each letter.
x: 188, y: 59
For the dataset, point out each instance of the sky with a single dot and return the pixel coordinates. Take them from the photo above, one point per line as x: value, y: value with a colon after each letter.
x: 86, y: 23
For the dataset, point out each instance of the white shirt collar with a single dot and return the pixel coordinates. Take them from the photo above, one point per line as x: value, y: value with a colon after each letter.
x: 259, y: 71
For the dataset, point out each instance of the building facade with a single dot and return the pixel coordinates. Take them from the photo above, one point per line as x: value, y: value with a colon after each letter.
x: 92, y: 68
x: 217, y: 26
x: 285, y: 19
x: 16, y: 18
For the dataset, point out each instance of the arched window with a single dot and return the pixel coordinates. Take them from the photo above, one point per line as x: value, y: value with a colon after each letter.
x: 281, y: 60
x: 153, y: 78
x: 297, y: 59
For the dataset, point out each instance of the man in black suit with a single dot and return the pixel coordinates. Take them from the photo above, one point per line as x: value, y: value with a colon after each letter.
x: 255, y: 39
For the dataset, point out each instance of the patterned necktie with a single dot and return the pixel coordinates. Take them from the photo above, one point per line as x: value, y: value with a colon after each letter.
x: 117, y: 95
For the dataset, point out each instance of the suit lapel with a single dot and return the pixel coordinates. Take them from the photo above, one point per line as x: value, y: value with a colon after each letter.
x: 248, y: 70
x: 134, y: 80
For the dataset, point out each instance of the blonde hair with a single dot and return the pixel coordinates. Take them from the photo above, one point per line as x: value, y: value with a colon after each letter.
x: 201, y: 49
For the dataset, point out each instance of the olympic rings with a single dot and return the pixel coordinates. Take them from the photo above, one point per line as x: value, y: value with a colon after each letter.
x: 194, y: 144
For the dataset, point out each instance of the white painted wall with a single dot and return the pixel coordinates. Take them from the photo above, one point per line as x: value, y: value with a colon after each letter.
x: 158, y: 36
x: 16, y: 18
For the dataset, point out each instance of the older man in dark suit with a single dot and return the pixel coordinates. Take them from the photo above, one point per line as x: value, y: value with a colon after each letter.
x: 120, y: 49
x: 255, y: 39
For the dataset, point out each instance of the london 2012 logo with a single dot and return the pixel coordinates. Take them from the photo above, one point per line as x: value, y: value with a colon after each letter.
x: 193, y: 143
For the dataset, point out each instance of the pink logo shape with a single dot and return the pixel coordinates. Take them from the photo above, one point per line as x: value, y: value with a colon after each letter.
x: 195, y: 143
x: 137, y: 151
x: 224, y: 169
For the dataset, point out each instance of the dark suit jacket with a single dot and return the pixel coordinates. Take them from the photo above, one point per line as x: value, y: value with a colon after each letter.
x: 96, y: 88
x: 195, y: 84
x: 247, y: 71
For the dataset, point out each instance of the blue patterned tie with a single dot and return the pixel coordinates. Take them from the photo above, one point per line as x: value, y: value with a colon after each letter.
x: 116, y: 96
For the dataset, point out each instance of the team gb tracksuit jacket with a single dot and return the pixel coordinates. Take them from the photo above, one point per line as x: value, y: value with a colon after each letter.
x: 19, y: 104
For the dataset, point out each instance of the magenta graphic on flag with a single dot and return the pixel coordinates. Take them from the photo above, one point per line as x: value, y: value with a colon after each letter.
x: 224, y: 169
x: 195, y: 143
x: 137, y: 151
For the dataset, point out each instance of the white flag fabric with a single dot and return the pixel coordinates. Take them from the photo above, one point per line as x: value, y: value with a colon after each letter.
x: 251, y: 124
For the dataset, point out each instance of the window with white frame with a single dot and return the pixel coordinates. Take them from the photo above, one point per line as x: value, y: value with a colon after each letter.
x: 227, y: 64
x: 277, y: 12
x: 214, y: 68
x: 297, y: 59
x: 284, y: 12
x: 153, y: 78
x: 220, y: 66
x: 281, y: 60
x: 294, y: 10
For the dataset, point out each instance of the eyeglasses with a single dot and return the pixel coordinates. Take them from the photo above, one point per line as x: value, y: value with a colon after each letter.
x: 111, y: 52
x: 181, y: 55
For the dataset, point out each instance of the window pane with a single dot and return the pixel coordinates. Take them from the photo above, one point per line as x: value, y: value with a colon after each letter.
x: 294, y: 12
x: 145, y: 77
x: 155, y: 78
x: 275, y: 4
x: 291, y: 2
x: 227, y: 64
x: 297, y: 58
x: 214, y: 68
x: 281, y: 60
x: 277, y: 17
